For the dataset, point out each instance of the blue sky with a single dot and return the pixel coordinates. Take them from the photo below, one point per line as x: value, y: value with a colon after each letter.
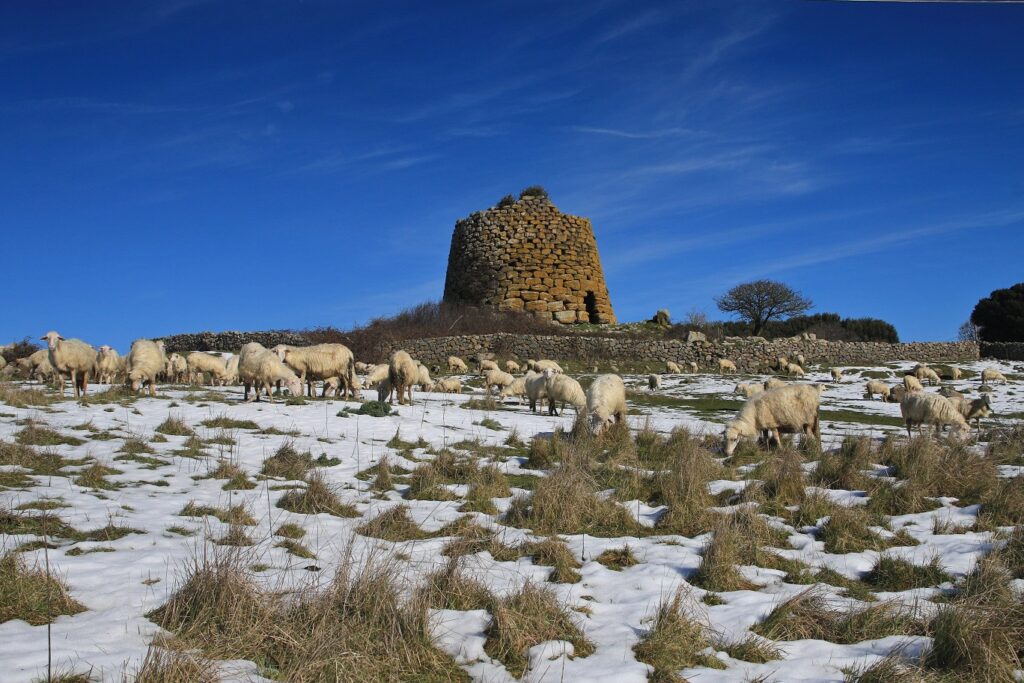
x: 188, y: 165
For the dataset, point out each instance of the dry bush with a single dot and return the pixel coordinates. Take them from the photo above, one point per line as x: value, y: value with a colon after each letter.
x: 317, y: 497
x: 675, y: 641
x: 429, y: 481
x: 977, y: 642
x: 485, y: 484
x: 236, y: 514
x: 1006, y: 444
x: 32, y: 595
x: 528, y: 617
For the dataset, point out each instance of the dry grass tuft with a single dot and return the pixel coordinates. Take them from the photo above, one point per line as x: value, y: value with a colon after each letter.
x: 393, y: 525
x: 174, y: 426
x: 449, y: 587
x: 316, y: 498
x: 675, y: 641
x: 174, y: 666
x: 844, y: 468
x: 552, y: 552
x: 618, y: 559
x: 30, y: 595
x: 36, y: 434
x: 20, y: 397
x: 287, y: 463
x: 847, y: 531
x: 751, y: 649
x: 893, y: 574
x: 808, y: 616
x: 718, y: 569
x: 236, y: 514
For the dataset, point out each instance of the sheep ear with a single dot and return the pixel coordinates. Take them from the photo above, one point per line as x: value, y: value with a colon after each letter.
x: 59, y: 338
x: 42, y: 339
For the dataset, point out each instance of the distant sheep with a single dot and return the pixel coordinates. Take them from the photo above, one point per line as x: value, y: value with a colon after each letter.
x: 919, y: 408
x: 456, y: 364
x: 423, y: 380
x: 486, y: 365
x: 449, y: 385
x: 376, y: 375
x: 673, y: 367
x: 725, y: 365
x: 781, y: 363
x: 516, y: 389
x: 39, y: 367
x: 774, y: 383
x: 925, y: 374
x: 837, y: 374
x: 320, y: 361
x: 146, y: 360
x: 606, y: 402
x: 911, y: 383
x: 788, y: 409
x: 693, y: 366
x: 71, y: 357
x: 973, y: 410
x: 261, y: 368
x: 989, y: 375
x: 231, y: 370
x: 176, y: 370
x: 536, y: 388
x: 402, y: 374
x: 333, y: 386
x: 653, y: 381
x: 542, y: 365
x: 200, y: 363
x: 748, y: 390
x: 800, y: 360
x: 361, y: 367
x: 876, y: 386
x: 561, y: 388
x: 108, y: 364
x: 498, y: 379
x: 794, y: 370
x: 511, y: 367
x: 955, y: 372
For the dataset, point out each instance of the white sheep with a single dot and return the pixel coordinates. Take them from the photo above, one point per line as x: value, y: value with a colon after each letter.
x: 362, y: 367
x: 673, y: 367
x: 781, y: 363
x: 800, y: 360
x: 456, y: 364
x: 993, y: 375
x: 402, y: 375
x: 560, y: 388
x: 919, y: 408
x: 925, y: 374
x: 876, y: 386
x: 788, y: 409
x: 486, y: 365
x: 146, y: 360
x: 108, y: 364
x: 693, y: 366
x: 333, y: 387
x: 261, y: 368
x: 653, y: 381
x: 497, y: 378
x: 725, y: 365
x: 511, y: 367
x: 955, y: 372
x: 71, y: 357
x: 973, y: 410
x: 911, y: 383
x: 749, y: 390
x: 200, y: 364
x: 39, y: 367
x: 896, y: 393
x: 794, y: 370
x: 231, y: 370
x: 536, y: 388
x: 774, y: 383
x: 516, y: 389
x: 837, y: 374
x: 375, y: 375
x: 542, y: 365
x: 449, y: 385
x: 176, y: 370
x: 606, y: 402
x: 423, y: 380
x: 320, y: 361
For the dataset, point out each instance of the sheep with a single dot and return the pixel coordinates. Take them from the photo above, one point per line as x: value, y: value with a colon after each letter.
x: 231, y: 370
x: 402, y: 374
x: 497, y: 378
x: 486, y: 365
x: 450, y: 385
x: 108, y: 364
x: 787, y: 409
x: 837, y: 374
x: 146, y: 360
x: 361, y: 367
x: 794, y: 370
x: 653, y: 381
x: 423, y: 380
x: 261, y: 368
x: 973, y: 410
x: 800, y: 360
x: 876, y: 386
x: 375, y: 375
x: 773, y: 383
x: 320, y: 361
x: 456, y: 364
x: 39, y: 365
x: 896, y: 393
x: 562, y: 388
x: 991, y: 374
x: 72, y: 357
x: 693, y: 366
x: 511, y: 367
x: 911, y: 383
x: 517, y: 389
x: 333, y: 386
x: 200, y: 363
x: 536, y: 388
x: 924, y: 373
x: 919, y: 408
x: 725, y: 365
x: 176, y: 370
x: 955, y: 372
x: 542, y: 365
x: 781, y: 363
x: 606, y: 402
x: 749, y: 390
x: 950, y: 392
x: 673, y: 367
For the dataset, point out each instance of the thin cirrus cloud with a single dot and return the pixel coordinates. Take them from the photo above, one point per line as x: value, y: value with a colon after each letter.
x: 674, y: 132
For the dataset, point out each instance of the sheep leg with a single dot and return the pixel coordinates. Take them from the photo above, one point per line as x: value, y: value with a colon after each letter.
x: 74, y: 382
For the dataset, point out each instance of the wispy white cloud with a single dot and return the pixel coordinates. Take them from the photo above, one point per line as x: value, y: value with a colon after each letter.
x: 79, y: 104
x: 637, y: 23
x: 638, y: 134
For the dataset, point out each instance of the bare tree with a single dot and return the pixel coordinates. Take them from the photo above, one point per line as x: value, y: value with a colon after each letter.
x: 968, y: 332
x: 761, y: 301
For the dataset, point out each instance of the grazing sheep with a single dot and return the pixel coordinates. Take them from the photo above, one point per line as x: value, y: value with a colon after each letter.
x: 536, y: 388
x: 973, y: 410
x: 542, y: 365
x: 511, y: 367
x: 177, y: 368
x: 781, y: 363
x: 919, y: 408
x: 879, y: 387
x: 749, y: 390
x: 800, y: 360
x: 790, y: 408
x: 911, y: 383
x: 375, y: 375
x: 200, y: 363
x: 673, y: 367
x: 423, y: 380
x: 108, y: 364
x: 261, y: 368
x: 837, y: 374
x: 794, y: 370
x: 950, y: 392
x: 320, y: 361
x: 402, y: 375
x: 333, y: 386
x: 39, y: 367
x: 773, y: 383
x: 563, y: 389
x: 925, y: 374
x: 362, y: 367
x: 955, y: 372
x: 450, y: 385
x: 231, y: 370
x: 71, y: 357
x: 146, y: 360
x: 497, y: 378
x: 653, y: 381
x: 456, y: 364
x: 725, y: 365
x: 517, y: 389
x: 993, y: 375
x: 486, y: 365
x: 693, y: 366
x: 606, y: 402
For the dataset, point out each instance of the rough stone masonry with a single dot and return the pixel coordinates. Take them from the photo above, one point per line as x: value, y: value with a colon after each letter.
x: 529, y: 256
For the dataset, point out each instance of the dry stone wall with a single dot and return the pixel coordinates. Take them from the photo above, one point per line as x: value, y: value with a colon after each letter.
x: 229, y: 341
x: 1003, y: 350
x: 529, y: 256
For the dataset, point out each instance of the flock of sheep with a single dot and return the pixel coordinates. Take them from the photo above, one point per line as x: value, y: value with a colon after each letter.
x: 772, y: 408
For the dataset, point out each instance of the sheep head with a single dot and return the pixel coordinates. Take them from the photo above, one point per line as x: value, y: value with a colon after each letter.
x: 294, y: 386
x: 51, y: 338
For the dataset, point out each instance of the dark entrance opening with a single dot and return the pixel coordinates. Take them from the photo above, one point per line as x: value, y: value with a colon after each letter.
x: 590, y: 301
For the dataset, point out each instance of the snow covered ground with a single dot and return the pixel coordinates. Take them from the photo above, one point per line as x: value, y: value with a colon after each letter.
x: 119, y: 581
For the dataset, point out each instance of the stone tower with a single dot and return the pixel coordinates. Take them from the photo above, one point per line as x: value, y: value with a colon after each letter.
x: 529, y: 256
